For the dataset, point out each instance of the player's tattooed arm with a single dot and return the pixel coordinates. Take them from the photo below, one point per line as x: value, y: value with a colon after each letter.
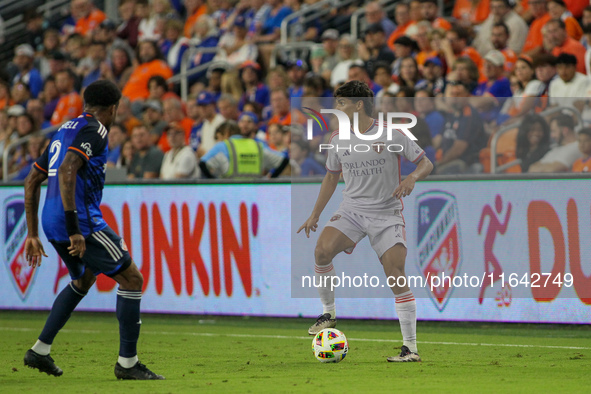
x: 67, y: 178
x: 33, y: 247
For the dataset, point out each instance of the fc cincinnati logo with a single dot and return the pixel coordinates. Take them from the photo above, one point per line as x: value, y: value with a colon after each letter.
x: 335, y: 218
x: 123, y: 245
x: 14, y: 228
x: 438, y: 241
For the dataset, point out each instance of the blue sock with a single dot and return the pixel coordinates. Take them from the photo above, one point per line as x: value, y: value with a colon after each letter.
x: 128, y: 314
x: 62, y: 308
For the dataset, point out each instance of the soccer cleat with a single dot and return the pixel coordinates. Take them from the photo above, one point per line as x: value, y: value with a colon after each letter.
x: 323, y: 321
x: 42, y: 363
x: 405, y: 356
x: 138, y: 372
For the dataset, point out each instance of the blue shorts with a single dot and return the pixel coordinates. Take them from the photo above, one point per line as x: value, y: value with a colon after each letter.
x: 106, y: 253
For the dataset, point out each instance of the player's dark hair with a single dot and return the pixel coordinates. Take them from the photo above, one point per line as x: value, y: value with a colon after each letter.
x: 102, y: 93
x: 504, y: 26
x: 526, y: 125
x: 357, y: 90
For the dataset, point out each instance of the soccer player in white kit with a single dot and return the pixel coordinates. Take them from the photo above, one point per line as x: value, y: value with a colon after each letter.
x: 372, y: 205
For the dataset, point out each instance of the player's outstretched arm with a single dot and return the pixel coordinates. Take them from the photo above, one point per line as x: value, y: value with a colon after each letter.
x: 67, y: 179
x: 329, y: 184
x: 423, y: 169
x: 33, y: 246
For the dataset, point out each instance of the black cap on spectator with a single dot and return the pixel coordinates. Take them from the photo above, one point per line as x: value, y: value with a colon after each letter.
x: 57, y: 55
x: 108, y: 25
x: 374, y: 28
x: 407, y: 42
x: 566, y: 58
x: 296, y: 63
x: 428, y: 1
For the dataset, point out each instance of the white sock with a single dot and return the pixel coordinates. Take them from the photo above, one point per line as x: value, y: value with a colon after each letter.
x: 41, y: 348
x: 323, y: 274
x: 127, y: 362
x: 406, y: 309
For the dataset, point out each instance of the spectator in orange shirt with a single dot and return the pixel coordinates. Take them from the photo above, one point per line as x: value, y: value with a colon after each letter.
x: 281, y: 111
x: 562, y: 43
x: 5, y: 99
x: 583, y: 164
x: 500, y: 38
x: 173, y: 112
x: 87, y: 16
x: 70, y: 103
x: 456, y: 45
x: 151, y: 64
x: 125, y: 116
x: 535, y: 40
x: 430, y: 12
x: 403, y: 20
x: 195, y: 8
x: 424, y: 30
x: 557, y: 10
x: 470, y: 12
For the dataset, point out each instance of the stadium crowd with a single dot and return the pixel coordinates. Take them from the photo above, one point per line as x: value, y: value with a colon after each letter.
x: 490, y: 65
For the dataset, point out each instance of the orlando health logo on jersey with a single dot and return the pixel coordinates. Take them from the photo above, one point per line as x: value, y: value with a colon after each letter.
x: 14, y: 234
x: 438, y: 241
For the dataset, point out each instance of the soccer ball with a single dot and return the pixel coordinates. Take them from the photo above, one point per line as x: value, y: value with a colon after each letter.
x: 330, y: 346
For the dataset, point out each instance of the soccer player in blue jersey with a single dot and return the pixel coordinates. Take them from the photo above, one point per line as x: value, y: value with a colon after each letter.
x: 74, y: 164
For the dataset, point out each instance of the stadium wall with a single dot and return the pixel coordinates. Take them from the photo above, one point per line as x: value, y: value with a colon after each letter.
x: 232, y: 249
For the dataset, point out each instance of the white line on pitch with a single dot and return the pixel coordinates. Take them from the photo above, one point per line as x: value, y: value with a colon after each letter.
x: 211, y: 334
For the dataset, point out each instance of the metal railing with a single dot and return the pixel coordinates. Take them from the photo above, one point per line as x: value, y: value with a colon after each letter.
x: 494, y: 142
x: 304, y: 46
x: 311, y: 12
x: 12, y: 146
x: 183, y: 76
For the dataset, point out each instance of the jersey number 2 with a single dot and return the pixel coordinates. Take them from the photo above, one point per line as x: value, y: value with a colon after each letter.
x: 54, y: 152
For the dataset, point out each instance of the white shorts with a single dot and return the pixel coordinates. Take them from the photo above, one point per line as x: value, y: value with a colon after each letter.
x: 383, y: 233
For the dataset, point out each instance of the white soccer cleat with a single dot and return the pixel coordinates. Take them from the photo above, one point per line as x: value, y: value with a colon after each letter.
x: 323, y: 321
x: 405, y: 356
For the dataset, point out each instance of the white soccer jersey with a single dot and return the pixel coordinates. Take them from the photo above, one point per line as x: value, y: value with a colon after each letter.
x: 371, y: 170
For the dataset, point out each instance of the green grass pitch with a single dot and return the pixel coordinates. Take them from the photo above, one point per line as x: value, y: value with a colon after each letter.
x: 240, y: 355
